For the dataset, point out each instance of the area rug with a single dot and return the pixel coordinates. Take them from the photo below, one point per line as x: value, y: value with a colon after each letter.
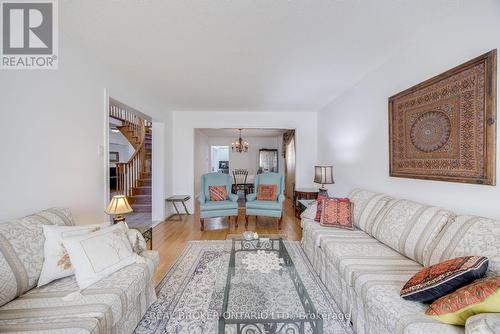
x: 190, y: 295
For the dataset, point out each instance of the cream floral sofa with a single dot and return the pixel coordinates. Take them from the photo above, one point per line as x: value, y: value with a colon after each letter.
x: 113, y: 305
x: 366, y: 268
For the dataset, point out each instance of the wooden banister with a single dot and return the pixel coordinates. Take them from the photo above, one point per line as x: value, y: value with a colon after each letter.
x: 129, y: 173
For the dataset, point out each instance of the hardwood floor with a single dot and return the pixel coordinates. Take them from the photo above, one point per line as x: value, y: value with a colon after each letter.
x: 171, y: 236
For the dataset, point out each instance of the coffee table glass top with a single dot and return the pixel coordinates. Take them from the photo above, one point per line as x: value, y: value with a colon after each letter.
x: 264, y: 293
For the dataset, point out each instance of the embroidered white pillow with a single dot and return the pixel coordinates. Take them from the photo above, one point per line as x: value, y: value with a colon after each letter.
x: 99, y: 254
x: 56, y: 263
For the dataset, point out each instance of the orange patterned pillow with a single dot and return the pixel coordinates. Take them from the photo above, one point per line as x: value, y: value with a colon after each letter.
x: 217, y: 193
x: 481, y: 296
x: 267, y: 192
x: 337, y: 212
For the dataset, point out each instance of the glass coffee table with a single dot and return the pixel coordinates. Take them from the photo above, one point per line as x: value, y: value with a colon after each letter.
x: 264, y: 292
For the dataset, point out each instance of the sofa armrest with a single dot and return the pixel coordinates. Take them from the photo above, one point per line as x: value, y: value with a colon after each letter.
x: 251, y: 197
x: 233, y: 197
x: 281, y: 198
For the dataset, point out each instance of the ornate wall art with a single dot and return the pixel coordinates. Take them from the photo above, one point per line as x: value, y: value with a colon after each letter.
x: 445, y: 128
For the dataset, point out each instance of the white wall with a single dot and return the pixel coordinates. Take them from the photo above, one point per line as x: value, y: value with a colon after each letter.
x: 201, y: 158
x: 183, y: 136
x: 250, y: 159
x: 353, y: 130
x: 53, y: 131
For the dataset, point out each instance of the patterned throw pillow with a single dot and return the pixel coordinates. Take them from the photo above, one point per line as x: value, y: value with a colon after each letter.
x: 319, y: 206
x: 482, y: 296
x: 337, y: 212
x: 443, y: 278
x: 267, y: 192
x: 217, y: 193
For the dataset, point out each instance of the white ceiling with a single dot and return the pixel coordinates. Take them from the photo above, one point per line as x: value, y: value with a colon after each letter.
x: 245, y: 133
x: 245, y: 54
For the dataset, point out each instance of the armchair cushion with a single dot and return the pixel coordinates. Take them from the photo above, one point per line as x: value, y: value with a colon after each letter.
x: 251, y: 197
x: 267, y: 192
x: 233, y: 197
x: 264, y: 205
x: 218, y: 205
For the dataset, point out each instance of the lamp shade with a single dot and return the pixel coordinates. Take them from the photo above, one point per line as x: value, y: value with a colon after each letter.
x: 323, y: 174
x: 118, y: 205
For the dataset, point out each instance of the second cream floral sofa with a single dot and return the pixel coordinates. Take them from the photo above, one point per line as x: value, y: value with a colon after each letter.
x: 366, y: 268
x: 115, y: 304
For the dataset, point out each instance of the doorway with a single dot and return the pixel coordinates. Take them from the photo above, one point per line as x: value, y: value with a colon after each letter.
x: 130, y: 160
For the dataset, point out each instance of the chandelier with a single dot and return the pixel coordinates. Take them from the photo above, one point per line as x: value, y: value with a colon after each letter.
x: 239, y: 145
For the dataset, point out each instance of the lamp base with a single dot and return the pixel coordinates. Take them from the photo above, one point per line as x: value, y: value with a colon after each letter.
x: 323, y: 192
x: 118, y: 219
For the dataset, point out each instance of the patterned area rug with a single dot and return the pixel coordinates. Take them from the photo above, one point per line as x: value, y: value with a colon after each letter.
x: 190, y: 295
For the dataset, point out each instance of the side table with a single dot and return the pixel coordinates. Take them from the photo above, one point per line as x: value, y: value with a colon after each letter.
x: 182, y: 199
x: 303, y: 193
x: 146, y: 229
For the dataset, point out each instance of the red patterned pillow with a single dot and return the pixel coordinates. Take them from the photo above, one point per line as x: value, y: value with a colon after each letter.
x: 267, y: 192
x: 337, y: 212
x: 319, y: 202
x: 482, y: 296
x: 217, y: 193
x: 438, y: 280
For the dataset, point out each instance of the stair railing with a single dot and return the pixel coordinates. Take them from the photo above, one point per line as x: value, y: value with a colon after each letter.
x: 128, y: 173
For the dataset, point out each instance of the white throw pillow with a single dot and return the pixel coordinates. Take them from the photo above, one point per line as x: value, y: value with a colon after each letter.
x: 99, y: 254
x: 56, y: 263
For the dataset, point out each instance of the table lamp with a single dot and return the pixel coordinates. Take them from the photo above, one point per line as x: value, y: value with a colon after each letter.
x: 323, y: 175
x: 118, y: 206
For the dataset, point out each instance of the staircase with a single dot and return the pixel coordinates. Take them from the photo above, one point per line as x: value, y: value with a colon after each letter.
x: 134, y: 176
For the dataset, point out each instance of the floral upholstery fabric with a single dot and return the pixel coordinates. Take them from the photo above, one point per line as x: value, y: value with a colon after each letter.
x: 367, y: 206
x: 21, y: 250
x: 352, y: 264
x: 113, y: 305
x: 409, y: 227
x: 485, y: 323
x: 465, y: 236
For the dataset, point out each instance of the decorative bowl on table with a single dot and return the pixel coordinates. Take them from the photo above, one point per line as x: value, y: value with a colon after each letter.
x: 250, y: 235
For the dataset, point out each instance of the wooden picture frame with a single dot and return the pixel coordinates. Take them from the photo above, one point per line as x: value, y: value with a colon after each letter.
x: 114, y: 156
x: 445, y: 128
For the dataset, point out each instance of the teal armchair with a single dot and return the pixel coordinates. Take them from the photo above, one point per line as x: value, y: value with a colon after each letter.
x: 256, y: 208
x: 208, y: 208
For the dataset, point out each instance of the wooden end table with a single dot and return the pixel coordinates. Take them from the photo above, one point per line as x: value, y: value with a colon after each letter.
x: 303, y: 193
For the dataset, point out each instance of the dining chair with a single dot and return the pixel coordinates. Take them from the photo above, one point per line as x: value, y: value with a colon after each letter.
x: 238, y: 175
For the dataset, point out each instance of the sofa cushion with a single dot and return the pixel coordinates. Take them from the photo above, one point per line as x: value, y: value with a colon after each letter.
x: 438, y: 280
x: 367, y: 206
x: 466, y: 236
x: 482, y: 296
x: 337, y: 212
x: 21, y: 250
x: 410, y: 227
x: 352, y: 256
x: 102, y: 308
x: 386, y: 312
